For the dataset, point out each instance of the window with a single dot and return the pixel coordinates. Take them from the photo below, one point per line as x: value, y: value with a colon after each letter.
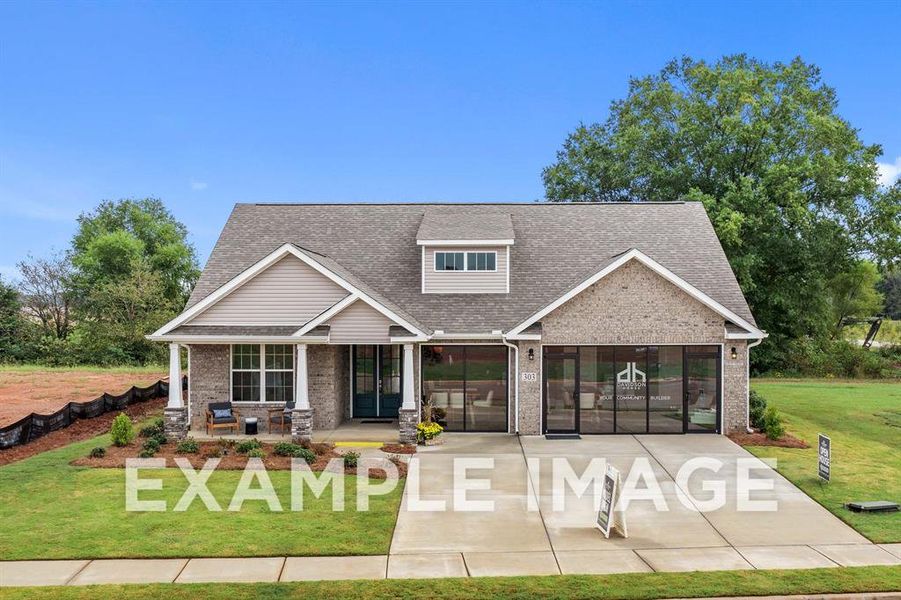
x: 254, y: 364
x: 466, y: 261
x: 449, y: 261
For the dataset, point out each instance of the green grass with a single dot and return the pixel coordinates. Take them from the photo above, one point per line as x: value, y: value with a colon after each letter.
x: 862, y: 420
x: 51, y: 510
x: 889, y: 332
x: 31, y: 368
x: 635, y: 586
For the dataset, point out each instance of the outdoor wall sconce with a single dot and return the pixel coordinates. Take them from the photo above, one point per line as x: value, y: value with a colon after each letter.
x: 734, y: 353
x: 531, y: 353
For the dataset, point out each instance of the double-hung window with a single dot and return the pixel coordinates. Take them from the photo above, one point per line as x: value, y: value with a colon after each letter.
x: 466, y: 261
x: 262, y: 373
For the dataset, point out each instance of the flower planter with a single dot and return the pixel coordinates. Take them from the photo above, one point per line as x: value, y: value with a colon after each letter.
x: 436, y: 441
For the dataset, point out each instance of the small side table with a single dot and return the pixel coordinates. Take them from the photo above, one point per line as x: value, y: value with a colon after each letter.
x: 251, y: 426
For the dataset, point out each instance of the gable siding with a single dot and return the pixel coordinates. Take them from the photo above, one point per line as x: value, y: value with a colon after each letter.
x: 465, y: 282
x: 359, y: 323
x: 290, y: 292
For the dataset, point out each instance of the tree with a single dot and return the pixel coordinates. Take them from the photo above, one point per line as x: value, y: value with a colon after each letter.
x: 854, y: 293
x: 789, y: 186
x: 110, y: 240
x: 10, y: 322
x: 44, y: 287
x: 890, y: 287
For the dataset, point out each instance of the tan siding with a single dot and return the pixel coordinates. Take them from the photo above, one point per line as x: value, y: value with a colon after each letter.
x: 465, y: 282
x: 359, y: 323
x: 290, y: 292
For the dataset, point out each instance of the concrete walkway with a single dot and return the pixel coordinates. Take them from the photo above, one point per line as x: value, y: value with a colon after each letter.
x: 513, y: 540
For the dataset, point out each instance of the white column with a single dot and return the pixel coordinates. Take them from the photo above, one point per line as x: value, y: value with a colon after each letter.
x: 301, y: 391
x: 409, y: 403
x: 175, y: 394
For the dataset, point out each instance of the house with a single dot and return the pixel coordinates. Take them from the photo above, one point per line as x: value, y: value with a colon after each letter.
x: 520, y: 318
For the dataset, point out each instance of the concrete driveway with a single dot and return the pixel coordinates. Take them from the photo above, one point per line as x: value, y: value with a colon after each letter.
x: 525, y: 533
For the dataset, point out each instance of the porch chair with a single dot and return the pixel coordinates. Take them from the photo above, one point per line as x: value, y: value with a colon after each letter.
x: 281, y: 418
x: 228, y: 417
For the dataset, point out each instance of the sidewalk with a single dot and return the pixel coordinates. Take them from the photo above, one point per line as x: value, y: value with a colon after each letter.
x: 409, y: 566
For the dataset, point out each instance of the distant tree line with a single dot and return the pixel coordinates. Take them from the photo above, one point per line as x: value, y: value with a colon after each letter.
x: 129, y: 270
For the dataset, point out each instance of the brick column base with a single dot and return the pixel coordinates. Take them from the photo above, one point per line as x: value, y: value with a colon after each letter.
x: 301, y: 425
x: 408, y: 418
x: 175, y: 423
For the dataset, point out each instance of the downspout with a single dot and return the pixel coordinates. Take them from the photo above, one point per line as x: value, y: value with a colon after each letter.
x: 515, y: 384
x: 748, y: 377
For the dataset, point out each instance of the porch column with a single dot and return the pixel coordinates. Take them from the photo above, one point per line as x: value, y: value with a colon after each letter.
x: 175, y: 415
x: 408, y: 415
x: 302, y: 415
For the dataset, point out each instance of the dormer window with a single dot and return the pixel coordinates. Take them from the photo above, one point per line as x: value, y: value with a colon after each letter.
x: 466, y: 261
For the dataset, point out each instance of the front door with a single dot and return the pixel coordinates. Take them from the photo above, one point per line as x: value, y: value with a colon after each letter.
x: 560, y: 391
x: 702, y: 393
x: 377, y: 381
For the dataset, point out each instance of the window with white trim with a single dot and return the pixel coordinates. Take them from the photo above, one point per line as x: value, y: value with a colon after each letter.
x: 262, y: 373
x: 466, y: 261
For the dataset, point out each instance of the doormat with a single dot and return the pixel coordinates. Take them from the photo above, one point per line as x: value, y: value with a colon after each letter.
x: 562, y: 436
x: 367, y: 421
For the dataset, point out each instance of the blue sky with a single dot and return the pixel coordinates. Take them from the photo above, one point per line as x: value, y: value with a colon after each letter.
x: 208, y: 104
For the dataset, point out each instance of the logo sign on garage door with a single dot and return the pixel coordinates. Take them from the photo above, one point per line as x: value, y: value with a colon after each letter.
x: 824, y: 459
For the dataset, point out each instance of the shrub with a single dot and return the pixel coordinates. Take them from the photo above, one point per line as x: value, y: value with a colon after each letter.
x: 98, y: 452
x: 159, y: 438
x: 351, y: 459
x: 757, y: 407
x: 122, y: 431
x: 188, y: 446
x: 772, y: 423
x: 152, y: 446
x: 213, y: 453
x: 146, y: 454
x: 246, y: 446
x: 428, y: 431
x: 154, y: 429
x: 286, y: 449
x: 307, y: 455
x: 256, y: 453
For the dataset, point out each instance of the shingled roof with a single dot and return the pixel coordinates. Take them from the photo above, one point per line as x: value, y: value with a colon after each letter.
x: 556, y: 247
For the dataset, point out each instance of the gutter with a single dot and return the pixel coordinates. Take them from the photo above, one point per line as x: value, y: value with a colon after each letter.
x: 515, y: 383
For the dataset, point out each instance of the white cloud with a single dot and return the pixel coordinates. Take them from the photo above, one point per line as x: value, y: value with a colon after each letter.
x: 888, y: 172
x: 198, y: 185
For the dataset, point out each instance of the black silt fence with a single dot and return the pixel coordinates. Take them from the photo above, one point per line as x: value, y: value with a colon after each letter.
x: 34, y: 425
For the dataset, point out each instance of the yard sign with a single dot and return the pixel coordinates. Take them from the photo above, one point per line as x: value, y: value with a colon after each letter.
x: 824, y: 457
x: 608, y: 517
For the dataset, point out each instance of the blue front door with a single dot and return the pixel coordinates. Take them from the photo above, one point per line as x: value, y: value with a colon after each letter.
x: 377, y: 381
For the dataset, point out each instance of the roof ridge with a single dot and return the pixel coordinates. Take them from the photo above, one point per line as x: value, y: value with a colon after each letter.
x: 542, y: 204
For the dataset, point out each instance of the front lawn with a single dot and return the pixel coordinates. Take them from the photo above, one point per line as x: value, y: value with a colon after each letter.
x: 632, y: 586
x: 863, y: 420
x: 51, y: 510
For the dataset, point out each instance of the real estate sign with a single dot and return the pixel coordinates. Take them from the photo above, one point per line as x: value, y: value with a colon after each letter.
x: 608, y: 517
x: 824, y: 457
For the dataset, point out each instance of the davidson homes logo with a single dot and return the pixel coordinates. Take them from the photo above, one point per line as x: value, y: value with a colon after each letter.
x: 631, y: 377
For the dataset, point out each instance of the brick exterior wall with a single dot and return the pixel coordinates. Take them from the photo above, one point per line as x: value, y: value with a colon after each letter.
x: 210, y: 377
x: 634, y: 305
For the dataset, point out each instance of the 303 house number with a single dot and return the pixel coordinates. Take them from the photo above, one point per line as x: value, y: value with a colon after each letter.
x: 530, y: 376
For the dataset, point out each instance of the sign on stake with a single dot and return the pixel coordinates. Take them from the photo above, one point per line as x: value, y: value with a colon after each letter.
x: 824, y: 457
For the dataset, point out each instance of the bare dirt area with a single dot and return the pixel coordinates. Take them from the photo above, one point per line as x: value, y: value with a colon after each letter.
x: 80, y: 430
x: 760, y: 439
x: 44, y: 391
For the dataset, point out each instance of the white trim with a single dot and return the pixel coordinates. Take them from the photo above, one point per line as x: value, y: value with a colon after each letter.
x: 262, y: 265
x: 466, y: 336
x: 238, y: 339
x: 422, y: 291
x: 464, y: 242
x: 407, y: 339
x: 745, y: 336
x: 465, y: 268
x: 525, y: 337
x: 508, y: 269
x: 657, y: 268
x: 327, y: 314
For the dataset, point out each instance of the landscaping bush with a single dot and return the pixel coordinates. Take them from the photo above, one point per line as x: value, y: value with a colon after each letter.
x: 159, y: 438
x: 98, y: 452
x: 256, y: 453
x: 757, y: 408
x: 351, y: 459
x: 772, y: 423
x: 246, y: 446
x: 122, y: 431
x: 188, y: 446
x: 286, y: 449
x: 146, y: 454
x: 307, y: 455
x: 428, y: 431
x: 152, y: 446
x: 154, y: 429
x: 808, y: 357
x: 213, y: 453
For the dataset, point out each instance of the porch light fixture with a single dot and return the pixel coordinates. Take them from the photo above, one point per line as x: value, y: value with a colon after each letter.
x: 531, y: 353
x: 734, y: 353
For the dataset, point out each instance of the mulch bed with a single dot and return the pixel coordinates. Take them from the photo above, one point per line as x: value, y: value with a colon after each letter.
x: 230, y: 460
x: 760, y: 439
x: 79, y: 430
x: 398, y: 449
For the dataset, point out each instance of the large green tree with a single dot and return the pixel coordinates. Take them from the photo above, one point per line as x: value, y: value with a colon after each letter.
x: 10, y: 322
x: 788, y: 184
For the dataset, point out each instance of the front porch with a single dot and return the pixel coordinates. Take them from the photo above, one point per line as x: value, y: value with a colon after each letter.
x: 300, y: 392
